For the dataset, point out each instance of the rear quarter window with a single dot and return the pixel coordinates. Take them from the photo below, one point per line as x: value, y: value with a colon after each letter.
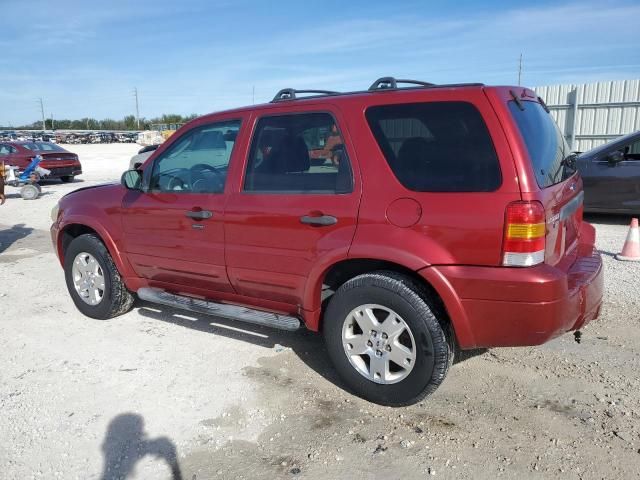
x: 437, y: 146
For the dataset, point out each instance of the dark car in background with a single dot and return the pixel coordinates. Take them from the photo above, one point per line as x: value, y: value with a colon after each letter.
x: 61, y: 163
x: 611, y: 176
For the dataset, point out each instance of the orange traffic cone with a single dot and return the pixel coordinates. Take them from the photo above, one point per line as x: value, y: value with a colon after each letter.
x: 631, y: 250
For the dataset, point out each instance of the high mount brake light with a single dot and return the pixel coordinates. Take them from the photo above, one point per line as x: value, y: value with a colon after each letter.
x: 525, y: 232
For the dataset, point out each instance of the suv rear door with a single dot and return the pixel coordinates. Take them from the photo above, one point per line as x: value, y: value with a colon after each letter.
x: 295, y: 208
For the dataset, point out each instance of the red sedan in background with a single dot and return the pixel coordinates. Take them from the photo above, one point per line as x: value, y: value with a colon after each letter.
x: 62, y: 164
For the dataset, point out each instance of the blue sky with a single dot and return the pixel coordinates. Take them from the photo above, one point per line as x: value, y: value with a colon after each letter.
x: 84, y: 58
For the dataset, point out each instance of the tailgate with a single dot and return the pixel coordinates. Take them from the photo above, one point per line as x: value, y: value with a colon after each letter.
x: 548, y: 168
x: 563, y: 204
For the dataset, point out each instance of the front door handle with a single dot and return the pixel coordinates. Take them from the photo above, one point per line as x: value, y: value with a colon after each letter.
x: 199, y: 214
x: 322, y: 221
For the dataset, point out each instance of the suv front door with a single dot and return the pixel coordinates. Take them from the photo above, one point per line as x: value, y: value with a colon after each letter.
x: 174, y: 229
x: 296, y: 208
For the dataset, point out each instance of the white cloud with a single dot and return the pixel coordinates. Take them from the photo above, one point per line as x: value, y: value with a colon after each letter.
x: 563, y: 42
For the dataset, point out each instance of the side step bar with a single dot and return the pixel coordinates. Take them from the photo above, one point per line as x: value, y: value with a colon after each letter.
x: 257, y: 317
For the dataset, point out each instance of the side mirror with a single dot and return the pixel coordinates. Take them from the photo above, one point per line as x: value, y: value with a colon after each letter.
x: 615, y: 157
x: 132, y: 180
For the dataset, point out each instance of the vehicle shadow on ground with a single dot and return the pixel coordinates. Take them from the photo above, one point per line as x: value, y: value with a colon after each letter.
x: 9, y: 236
x: 17, y: 195
x: 308, y: 346
x: 608, y: 219
x: 126, y: 443
x: 54, y: 181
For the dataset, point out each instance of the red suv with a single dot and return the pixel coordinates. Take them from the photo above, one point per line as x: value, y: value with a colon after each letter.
x: 402, y: 223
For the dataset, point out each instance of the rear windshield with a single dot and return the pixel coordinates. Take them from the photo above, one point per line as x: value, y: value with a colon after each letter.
x: 545, y: 143
x: 42, y: 147
x: 436, y: 146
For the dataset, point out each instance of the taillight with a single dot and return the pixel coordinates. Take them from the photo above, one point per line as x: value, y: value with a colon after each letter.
x: 524, y: 234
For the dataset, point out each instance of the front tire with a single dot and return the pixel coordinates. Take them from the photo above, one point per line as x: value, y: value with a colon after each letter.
x: 93, y: 280
x: 386, y: 338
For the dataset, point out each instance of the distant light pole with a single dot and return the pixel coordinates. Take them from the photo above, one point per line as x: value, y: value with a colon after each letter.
x: 44, y: 125
x: 135, y: 94
x: 520, y: 70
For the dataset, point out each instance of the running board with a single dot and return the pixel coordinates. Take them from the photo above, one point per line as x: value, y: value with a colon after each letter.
x: 234, y: 312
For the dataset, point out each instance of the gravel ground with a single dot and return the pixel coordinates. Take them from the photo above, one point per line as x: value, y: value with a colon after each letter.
x: 158, y: 393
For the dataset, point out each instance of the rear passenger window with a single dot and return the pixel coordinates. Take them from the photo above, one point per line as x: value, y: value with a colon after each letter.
x: 437, y: 146
x: 302, y: 153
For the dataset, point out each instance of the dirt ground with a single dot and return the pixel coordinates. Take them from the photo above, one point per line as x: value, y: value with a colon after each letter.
x: 160, y: 394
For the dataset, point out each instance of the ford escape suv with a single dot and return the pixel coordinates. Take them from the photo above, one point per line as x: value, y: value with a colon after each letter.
x: 403, y: 222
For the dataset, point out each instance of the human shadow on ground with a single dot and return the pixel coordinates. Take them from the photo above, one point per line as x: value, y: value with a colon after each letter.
x: 8, y: 236
x: 308, y: 346
x: 126, y: 443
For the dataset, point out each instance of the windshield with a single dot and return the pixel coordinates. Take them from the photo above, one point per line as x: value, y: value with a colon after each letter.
x: 545, y: 143
x: 42, y: 147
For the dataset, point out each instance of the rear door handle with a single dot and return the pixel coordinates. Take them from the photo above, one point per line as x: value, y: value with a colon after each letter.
x: 323, y: 221
x: 199, y: 214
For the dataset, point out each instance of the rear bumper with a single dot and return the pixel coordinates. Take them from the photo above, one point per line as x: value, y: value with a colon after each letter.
x: 507, y: 307
x: 57, y: 172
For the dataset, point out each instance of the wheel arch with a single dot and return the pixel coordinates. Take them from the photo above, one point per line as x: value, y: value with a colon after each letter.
x: 342, y: 271
x: 74, y: 229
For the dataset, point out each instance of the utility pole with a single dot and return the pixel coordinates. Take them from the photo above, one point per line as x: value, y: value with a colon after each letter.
x: 44, y: 126
x: 520, y: 70
x: 135, y: 94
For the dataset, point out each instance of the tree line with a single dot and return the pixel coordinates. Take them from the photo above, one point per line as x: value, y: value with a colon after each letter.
x: 127, y: 123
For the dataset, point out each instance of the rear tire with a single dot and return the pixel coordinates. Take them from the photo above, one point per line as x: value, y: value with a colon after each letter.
x: 67, y: 178
x: 425, y: 347
x: 112, y: 298
x: 30, y: 191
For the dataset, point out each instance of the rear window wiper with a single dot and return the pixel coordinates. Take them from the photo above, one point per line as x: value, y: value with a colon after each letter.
x: 569, y: 162
x: 516, y: 100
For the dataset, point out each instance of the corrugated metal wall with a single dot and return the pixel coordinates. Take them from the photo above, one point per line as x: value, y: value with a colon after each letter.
x: 591, y: 114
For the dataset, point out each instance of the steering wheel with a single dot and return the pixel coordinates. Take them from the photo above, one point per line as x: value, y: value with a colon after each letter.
x: 201, y: 180
x: 176, y: 183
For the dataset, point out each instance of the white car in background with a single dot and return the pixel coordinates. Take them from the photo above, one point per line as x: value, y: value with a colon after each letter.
x: 142, y: 155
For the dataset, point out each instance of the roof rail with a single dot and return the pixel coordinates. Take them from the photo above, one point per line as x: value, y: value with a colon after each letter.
x: 390, y: 83
x: 291, y: 94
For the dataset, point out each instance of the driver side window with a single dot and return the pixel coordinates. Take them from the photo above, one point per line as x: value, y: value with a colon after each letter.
x: 633, y: 151
x: 198, y: 161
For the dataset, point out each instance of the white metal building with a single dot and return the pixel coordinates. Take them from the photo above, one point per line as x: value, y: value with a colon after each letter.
x: 594, y: 113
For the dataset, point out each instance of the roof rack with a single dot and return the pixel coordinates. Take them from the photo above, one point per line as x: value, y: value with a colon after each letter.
x: 291, y: 94
x: 390, y: 83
